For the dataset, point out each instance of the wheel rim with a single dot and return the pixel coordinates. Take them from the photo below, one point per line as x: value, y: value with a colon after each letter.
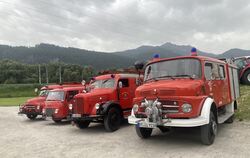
x: 248, y: 77
x: 214, y: 127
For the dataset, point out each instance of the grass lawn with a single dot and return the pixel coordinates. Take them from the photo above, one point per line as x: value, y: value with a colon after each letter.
x: 243, y: 112
x: 13, y: 101
x: 17, y: 90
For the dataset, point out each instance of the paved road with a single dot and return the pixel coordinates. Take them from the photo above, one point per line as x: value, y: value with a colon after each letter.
x: 20, y: 137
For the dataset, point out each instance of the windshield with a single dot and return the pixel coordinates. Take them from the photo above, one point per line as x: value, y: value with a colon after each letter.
x: 55, y: 95
x: 108, y: 83
x: 171, y: 69
x: 241, y: 62
x: 43, y: 93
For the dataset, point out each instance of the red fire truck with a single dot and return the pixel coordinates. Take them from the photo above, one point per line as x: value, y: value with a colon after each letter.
x: 187, y: 91
x: 58, y: 104
x: 33, y: 107
x: 243, y: 63
x: 108, y: 100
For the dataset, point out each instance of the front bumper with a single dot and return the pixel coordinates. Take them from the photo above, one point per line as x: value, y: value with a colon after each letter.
x: 193, y: 122
x: 29, y: 111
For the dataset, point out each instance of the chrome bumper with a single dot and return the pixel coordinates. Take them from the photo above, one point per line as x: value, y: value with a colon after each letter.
x: 193, y: 122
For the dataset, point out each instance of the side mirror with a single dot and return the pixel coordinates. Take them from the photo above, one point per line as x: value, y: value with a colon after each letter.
x: 139, y: 65
x: 120, y: 84
x: 83, y: 82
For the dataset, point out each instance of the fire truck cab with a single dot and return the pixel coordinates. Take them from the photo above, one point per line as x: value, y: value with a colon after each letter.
x: 243, y: 64
x: 58, y: 104
x: 33, y: 107
x: 108, y: 100
x: 187, y: 91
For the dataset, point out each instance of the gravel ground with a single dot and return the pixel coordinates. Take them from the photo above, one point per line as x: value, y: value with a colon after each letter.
x: 20, y: 137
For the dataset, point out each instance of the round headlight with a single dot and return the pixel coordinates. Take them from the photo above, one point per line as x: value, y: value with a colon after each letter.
x: 43, y: 111
x: 56, y: 111
x: 38, y: 107
x: 158, y: 104
x: 186, y: 108
x: 97, y: 106
x: 135, y: 108
x: 70, y: 106
x: 148, y: 111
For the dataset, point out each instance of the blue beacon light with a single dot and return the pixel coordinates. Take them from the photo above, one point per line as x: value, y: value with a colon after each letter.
x: 156, y: 56
x: 194, y: 52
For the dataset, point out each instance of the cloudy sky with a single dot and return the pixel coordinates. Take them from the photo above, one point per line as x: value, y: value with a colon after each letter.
x: 111, y: 25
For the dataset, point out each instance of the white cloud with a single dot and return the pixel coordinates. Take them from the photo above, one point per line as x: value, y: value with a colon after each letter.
x: 106, y: 25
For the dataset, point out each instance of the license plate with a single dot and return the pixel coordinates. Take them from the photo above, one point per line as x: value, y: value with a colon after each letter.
x: 149, y: 125
x: 76, y: 115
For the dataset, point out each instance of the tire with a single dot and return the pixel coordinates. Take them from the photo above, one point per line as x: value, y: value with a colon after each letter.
x: 246, y: 77
x: 230, y: 119
x: 209, y: 131
x: 82, y: 124
x: 31, y: 116
x: 112, y: 120
x: 57, y: 121
x: 143, y: 132
x: 164, y: 129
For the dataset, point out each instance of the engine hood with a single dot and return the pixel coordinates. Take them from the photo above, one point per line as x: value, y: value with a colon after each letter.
x: 177, y: 87
x: 53, y: 104
x: 36, y: 100
x: 98, y: 94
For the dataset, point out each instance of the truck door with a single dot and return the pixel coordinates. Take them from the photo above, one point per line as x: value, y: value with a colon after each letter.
x: 212, y: 82
x: 124, y: 93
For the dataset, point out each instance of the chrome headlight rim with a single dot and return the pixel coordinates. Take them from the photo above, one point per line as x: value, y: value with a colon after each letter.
x: 186, y: 108
x: 135, y: 107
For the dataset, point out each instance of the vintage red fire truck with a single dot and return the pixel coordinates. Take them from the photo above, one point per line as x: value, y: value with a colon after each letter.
x: 108, y: 100
x: 243, y: 63
x: 187, y: 91
x: 33, y: 107
x: 58, y: 104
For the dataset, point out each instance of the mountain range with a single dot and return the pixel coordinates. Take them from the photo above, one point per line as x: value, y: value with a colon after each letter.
x: 44, y: 53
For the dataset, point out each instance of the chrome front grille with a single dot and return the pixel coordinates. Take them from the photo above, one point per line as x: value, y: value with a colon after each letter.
x: 169, y: 106
x: 78, y: 106
x: 49, y: 111
x: 30, y: 107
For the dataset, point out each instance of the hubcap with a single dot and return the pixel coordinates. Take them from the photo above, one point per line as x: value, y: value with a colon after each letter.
x: 248, y: 77
x: 214, y: 127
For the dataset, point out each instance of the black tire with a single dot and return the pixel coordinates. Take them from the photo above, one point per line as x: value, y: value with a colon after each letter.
x: 57, y: 121
x: 230, y: 119
x: 82, y: 124
x: 164, y: 129
x: 246, y: 77
x: 143, y: 132
x: 31, y: 116
x: 112, y: 120
x: 209, y: 131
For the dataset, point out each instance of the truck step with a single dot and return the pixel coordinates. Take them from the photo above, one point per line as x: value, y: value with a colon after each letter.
x: 224, y: 117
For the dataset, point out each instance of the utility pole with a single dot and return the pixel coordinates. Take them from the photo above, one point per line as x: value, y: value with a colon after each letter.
x: 47, y: 74
x: 39, y: 74
x: 60, y: 73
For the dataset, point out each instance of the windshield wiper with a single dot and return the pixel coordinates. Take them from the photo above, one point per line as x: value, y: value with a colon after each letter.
x: 189, y: 76
x: 157, y: 78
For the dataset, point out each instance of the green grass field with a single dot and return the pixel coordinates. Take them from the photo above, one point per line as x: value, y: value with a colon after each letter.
x: 243, y: 112
x: 13, y: 101
x: 17, y: 90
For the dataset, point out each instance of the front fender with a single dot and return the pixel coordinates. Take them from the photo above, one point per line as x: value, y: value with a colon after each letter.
x: 105, y: 107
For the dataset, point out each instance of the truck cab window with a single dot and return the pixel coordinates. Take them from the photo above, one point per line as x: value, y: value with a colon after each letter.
x: 208, y: 71
x: 71, y: 94
x: 222, y: 72
x: 123, y: 82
